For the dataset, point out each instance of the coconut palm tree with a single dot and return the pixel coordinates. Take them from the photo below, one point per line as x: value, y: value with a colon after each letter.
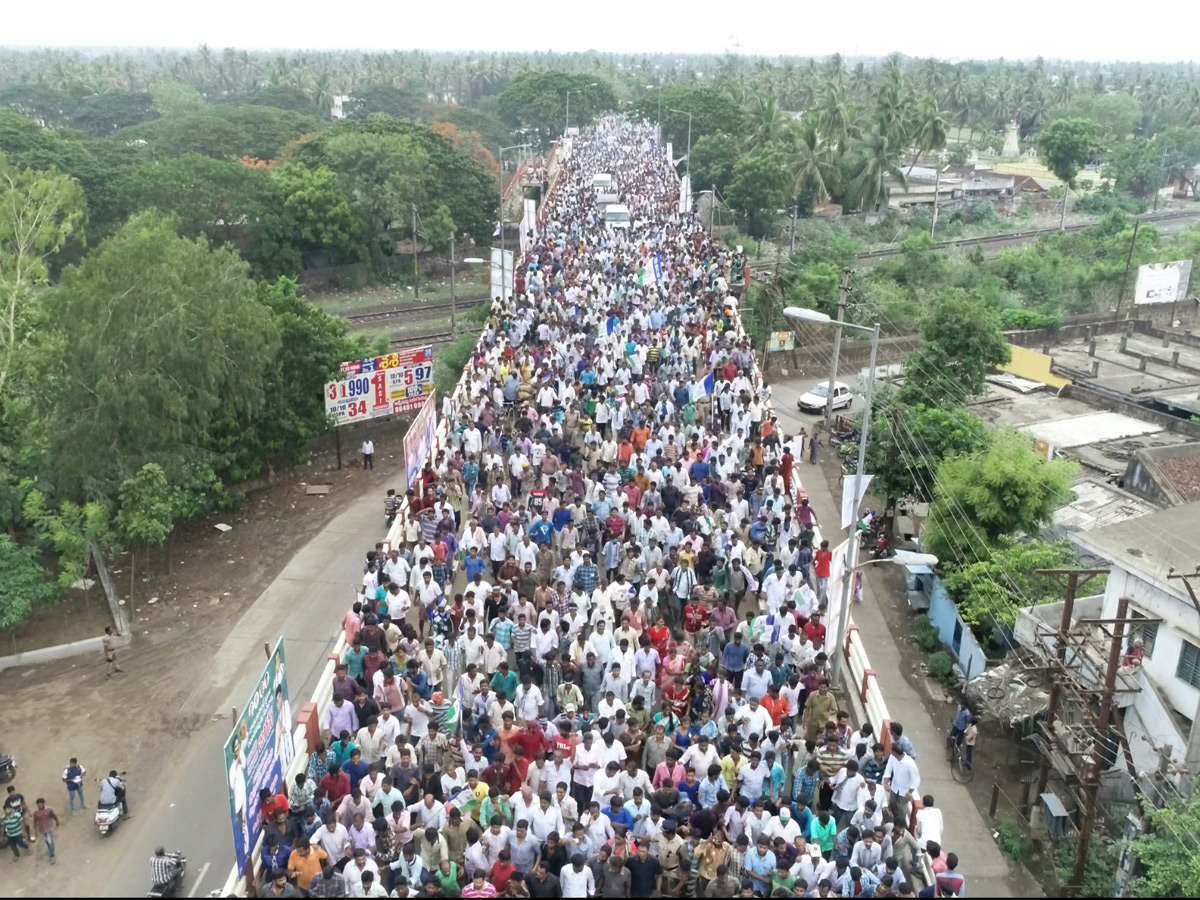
x: 878, y: 160
x: 836, y: 117
x: 768, y: 124
x: 929, y: 129
x: 860, y: 82
x: 812, y: 166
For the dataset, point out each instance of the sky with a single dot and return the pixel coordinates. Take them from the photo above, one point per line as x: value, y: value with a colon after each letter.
x: 769, y: 27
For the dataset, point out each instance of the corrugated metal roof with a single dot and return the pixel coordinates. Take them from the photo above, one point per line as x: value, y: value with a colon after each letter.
x: 1097, y: 504
x: 1090, y: 428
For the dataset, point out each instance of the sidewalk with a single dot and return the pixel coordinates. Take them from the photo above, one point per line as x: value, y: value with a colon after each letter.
x: 967, y: 831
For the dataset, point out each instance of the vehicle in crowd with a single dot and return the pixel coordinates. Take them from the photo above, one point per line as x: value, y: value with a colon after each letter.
x: 616, y: 215
x: 814, y: 399
x: 8, y: 768
x: 172, y: 887
x: 603, y: 184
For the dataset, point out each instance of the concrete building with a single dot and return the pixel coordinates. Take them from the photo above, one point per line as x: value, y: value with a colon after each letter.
x: 1162, y: 719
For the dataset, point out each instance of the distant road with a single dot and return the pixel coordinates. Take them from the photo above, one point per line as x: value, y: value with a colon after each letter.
x: 1168, y: 221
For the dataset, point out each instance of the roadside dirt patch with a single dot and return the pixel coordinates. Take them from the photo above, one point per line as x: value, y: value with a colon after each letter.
x: 135, y: 721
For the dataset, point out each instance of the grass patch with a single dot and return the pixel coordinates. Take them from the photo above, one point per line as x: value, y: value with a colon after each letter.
x: 1013, y: 841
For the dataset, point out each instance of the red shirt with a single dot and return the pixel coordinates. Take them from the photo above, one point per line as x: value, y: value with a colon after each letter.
x: 501, y: 873
x: 815, y: 632
x: 336, y: 788
x: 822, y: 559
x: 776, y: 708
x: 533, y: 744
x: 268, y: 807
x: 694, y: 617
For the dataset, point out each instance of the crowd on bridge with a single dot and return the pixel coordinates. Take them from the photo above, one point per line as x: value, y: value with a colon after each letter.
x: 596, y: 665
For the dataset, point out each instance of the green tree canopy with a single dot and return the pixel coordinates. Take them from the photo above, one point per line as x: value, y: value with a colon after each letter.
x: 1170, y: 865
x: 143, y: 345
x: 961, y: 341
x: 1003, y: 490
x: 222, y: 130
x: 534, y: 104
x: 990, y: 590
x: 713, y: 159
x: 758, y: 189
x: 1067, y: 145
x: 714, y: 111
x: 173, y: 99
x: 218, y: 199
x: 908, y: 443
x: 26, y: 583
x: 309, y: 214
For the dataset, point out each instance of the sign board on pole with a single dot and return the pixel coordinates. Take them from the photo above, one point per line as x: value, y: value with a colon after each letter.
x: 381, y: 386
x: 509, y: 273
x: 258, y: 753
x: 685, y: 194
x: 1163, y: 282
x: 418, y: 442
x: 781, y: 340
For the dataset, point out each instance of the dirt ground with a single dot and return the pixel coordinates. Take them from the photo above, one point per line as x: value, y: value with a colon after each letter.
x: 134, y: 720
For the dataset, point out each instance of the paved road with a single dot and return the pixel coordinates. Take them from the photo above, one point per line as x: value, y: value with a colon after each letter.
x: 968, y: 832
x: 303, y: 604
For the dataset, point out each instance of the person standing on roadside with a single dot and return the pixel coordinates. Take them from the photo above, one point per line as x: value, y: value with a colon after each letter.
x: 109, y: 643
x: 73, y: 778
x: 45, y: 820
x: 368, y: 452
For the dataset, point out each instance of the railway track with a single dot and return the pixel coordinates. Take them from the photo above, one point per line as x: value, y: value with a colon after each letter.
x: 431, y: 337
x: 415, y: 310
x: 1012, y: 237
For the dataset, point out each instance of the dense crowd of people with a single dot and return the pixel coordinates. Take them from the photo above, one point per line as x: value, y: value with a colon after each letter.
x: 596, y: 664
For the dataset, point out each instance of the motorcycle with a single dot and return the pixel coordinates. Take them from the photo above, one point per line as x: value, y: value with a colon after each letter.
x: 883, y: 547
x: 8, y: 768
x: 171, y: 887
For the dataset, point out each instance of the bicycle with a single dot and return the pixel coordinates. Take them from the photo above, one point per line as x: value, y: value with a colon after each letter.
x: 956, y: 754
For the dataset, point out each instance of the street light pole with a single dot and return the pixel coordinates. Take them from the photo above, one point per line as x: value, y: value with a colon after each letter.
x: 852, y: 528
x: 684, y: 112
x: 453, y: 298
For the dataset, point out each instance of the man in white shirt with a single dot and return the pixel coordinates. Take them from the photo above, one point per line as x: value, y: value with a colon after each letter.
x: 752, y: 719
x: 902, y: 780
x: 577, y: 880
x: 784, y: 826
x: 368, y: 452
x: 494, y: 839
x: 528, y: 700
x: 929, y: 823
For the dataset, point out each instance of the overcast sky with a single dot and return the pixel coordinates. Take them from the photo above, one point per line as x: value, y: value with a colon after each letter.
x: 1154, y: 30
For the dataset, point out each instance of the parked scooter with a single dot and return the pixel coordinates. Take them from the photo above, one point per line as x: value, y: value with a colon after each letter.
x: 8, y: 768
x: 109, y: 814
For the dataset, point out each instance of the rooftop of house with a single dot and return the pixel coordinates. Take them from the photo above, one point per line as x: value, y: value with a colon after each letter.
x: 1150, y: 545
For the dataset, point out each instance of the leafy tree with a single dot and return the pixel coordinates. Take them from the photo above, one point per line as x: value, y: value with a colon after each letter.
x: 1003, y: 490
x: 1170, y: 865
x: 759, y: 187
x: 282, y: 96
x: 383, y: 98
x: 308, y: 214
x: 102, y: 114
x: 173, y: 99
x: 990, y: 590
x: 908, y: 443
x: 714, y: 111
x: 813, y: 169
x: 1066, y: 146
x: 214, y: 198
x: 26, y: 584
x: 437, y: 228
x: 1116, y: 115
x: 143, y: 345
x: 39, y: 212
x: 222, y: 131
x: 878, y: 159
x: 470, y: 143
x: 534, y: 103
x: 493, y: 133
x: 385, y: 175
x: 71, y: 530
x: 813, y: 285
x: 147, y: 514
x: 961, y: 341
x: 713, y: 159
x: 312, y: 346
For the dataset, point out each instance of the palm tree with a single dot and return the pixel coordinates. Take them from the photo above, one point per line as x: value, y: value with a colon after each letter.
x: 768, y: 124
x: 929, y: 129
x: 860, y: 82
x: 879, y: 159
x: 836, y: 117
x: 813, y: 167
x: 932, y: 77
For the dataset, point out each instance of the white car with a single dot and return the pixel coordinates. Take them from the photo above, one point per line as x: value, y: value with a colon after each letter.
x: 814, y: 400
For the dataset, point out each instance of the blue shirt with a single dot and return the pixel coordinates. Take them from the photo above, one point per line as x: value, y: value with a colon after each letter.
x: 420, y: 683
x: 541, y: 532
x: 734, y: 657
x: 706, y: 796
x: 503, y: 629
x: 562, y: 516
x: 473, y: 566
x: 760, y: 865
x: 620, y: 817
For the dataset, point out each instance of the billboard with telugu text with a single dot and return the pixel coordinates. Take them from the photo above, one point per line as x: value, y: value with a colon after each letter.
x: 258, y: 753
x: 381, y: 386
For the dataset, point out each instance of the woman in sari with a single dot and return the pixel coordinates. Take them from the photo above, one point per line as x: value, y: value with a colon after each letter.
x: 679, y: 695
x: 660, y: 637
x: 665, y: 716
x: 674, y: 665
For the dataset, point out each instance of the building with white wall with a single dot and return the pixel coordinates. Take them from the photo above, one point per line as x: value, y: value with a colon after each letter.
x: 1162, y: 720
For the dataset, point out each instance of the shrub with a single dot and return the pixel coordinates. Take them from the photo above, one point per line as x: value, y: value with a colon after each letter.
x: 940, y: 665
x: 925, y: 634
x: 1013, y: 841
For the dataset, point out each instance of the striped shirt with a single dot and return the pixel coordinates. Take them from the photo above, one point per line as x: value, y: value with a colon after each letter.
x: 503, y: 629
x: 522, y: 638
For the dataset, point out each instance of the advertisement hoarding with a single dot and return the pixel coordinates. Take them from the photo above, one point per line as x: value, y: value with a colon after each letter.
x: 258, y: 752
x: 505, y: 263
x: 781, y: 340
x: 418, y: 441
x: 1163, y: 282
x: 381, y: 386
